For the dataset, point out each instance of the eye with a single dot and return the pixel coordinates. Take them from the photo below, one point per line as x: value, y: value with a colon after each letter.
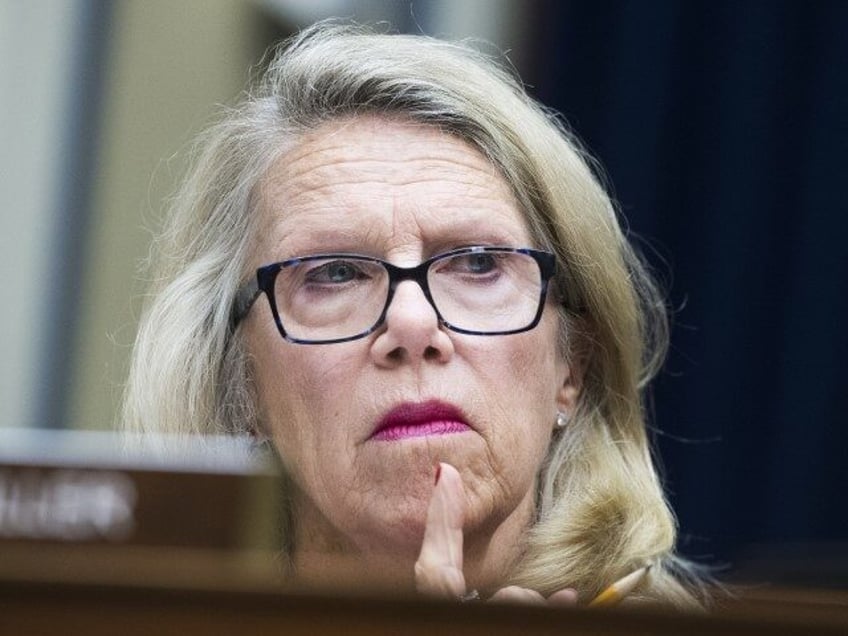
x: 472, y: 268
x: 480, y: 263
x: 335, y: 272
x: 471, y: 265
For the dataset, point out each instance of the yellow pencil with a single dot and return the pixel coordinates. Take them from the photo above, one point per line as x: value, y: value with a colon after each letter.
x: 621, y: 588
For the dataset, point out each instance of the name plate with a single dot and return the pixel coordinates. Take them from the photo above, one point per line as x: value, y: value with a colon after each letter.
x: 103, y: 500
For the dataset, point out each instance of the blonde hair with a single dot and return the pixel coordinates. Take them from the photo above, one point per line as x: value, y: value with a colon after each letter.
x: 601, y: 510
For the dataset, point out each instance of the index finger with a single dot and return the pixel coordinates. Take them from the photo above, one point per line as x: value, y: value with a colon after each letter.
x: 438, y: 570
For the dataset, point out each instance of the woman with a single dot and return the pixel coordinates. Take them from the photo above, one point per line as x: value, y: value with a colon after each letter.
x: 397, y: 268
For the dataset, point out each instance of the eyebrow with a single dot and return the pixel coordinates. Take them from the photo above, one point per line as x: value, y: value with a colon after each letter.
x: 358, y: 240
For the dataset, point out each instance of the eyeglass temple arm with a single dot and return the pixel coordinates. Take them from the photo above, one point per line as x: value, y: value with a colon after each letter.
x: 245, y: 297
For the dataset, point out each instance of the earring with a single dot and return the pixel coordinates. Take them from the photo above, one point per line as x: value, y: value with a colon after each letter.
x: 561, y: 419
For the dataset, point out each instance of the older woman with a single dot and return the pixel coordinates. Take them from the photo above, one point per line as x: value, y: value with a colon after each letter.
x: 402, y: 272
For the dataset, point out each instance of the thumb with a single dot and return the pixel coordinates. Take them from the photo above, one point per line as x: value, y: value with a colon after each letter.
x: 438, y: 571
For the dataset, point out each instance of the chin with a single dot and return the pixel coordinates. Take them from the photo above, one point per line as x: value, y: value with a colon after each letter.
x: 396, y: 529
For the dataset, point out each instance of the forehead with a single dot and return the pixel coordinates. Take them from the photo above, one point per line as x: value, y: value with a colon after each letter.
x: 381, y: 186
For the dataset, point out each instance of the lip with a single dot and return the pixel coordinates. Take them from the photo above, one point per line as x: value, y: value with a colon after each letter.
x: 420, y: 419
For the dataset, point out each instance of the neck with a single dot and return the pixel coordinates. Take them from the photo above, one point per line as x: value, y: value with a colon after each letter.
x: 324, y: 560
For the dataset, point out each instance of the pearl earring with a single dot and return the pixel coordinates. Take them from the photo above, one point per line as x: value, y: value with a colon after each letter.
x: 561, y: 419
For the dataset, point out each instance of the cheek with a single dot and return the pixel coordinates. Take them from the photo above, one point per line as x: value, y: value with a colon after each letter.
x: 532, y: 371
x: 537, y: 373
x: 515, y: 380
x: 519, y: 383
x: 304, y: 400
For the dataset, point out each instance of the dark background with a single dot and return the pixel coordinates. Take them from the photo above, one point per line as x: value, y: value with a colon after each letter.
x: 722, y: 126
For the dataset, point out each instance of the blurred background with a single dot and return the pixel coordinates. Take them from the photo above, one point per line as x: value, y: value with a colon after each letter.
x: 722, y: 128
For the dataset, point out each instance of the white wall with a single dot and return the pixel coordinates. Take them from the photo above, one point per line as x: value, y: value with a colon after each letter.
x: 172, y: 63
x: 37, y: 44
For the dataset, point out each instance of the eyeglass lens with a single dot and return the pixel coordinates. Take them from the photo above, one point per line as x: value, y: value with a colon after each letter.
x: 342, y: 296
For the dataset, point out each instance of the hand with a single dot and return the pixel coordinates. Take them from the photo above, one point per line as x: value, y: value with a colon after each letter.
x: 438, y: 571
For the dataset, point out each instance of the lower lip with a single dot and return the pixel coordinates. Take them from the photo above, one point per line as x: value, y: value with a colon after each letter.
x: 424, y: 429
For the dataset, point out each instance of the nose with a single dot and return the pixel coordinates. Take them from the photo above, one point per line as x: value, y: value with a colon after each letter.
x: 411, y: 332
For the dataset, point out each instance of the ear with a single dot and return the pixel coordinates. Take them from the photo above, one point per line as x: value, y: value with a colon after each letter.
x: 573, y: 370
x: 569, y: 391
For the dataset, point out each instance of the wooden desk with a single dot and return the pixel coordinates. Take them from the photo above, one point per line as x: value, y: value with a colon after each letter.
x: 215, y: 598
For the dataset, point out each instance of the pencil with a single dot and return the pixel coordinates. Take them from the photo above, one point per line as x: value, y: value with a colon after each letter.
x: 621, y: 588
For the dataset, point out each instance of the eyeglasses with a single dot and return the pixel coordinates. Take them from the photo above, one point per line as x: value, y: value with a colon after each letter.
x: 329, y: 298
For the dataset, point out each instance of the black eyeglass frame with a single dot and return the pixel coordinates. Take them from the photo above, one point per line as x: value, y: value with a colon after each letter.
x: 266, y: 277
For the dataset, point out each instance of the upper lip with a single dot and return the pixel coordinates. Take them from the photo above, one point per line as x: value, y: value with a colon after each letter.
x: 412, y: 413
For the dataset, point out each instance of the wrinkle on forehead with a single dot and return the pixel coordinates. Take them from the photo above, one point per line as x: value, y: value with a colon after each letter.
x: 324, y: 149
x: 385, y: 167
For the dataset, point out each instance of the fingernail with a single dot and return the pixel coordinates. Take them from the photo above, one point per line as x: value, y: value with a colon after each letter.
x: 438, y: 472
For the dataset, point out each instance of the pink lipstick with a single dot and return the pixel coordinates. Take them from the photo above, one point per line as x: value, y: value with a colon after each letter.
x: 420, y: 420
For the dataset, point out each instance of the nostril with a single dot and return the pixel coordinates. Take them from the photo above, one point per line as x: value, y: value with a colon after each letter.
x: 396, y: 355
x: 431, y: 353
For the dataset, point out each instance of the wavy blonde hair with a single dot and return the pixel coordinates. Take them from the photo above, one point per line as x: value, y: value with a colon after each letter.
x: 601, y: 512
